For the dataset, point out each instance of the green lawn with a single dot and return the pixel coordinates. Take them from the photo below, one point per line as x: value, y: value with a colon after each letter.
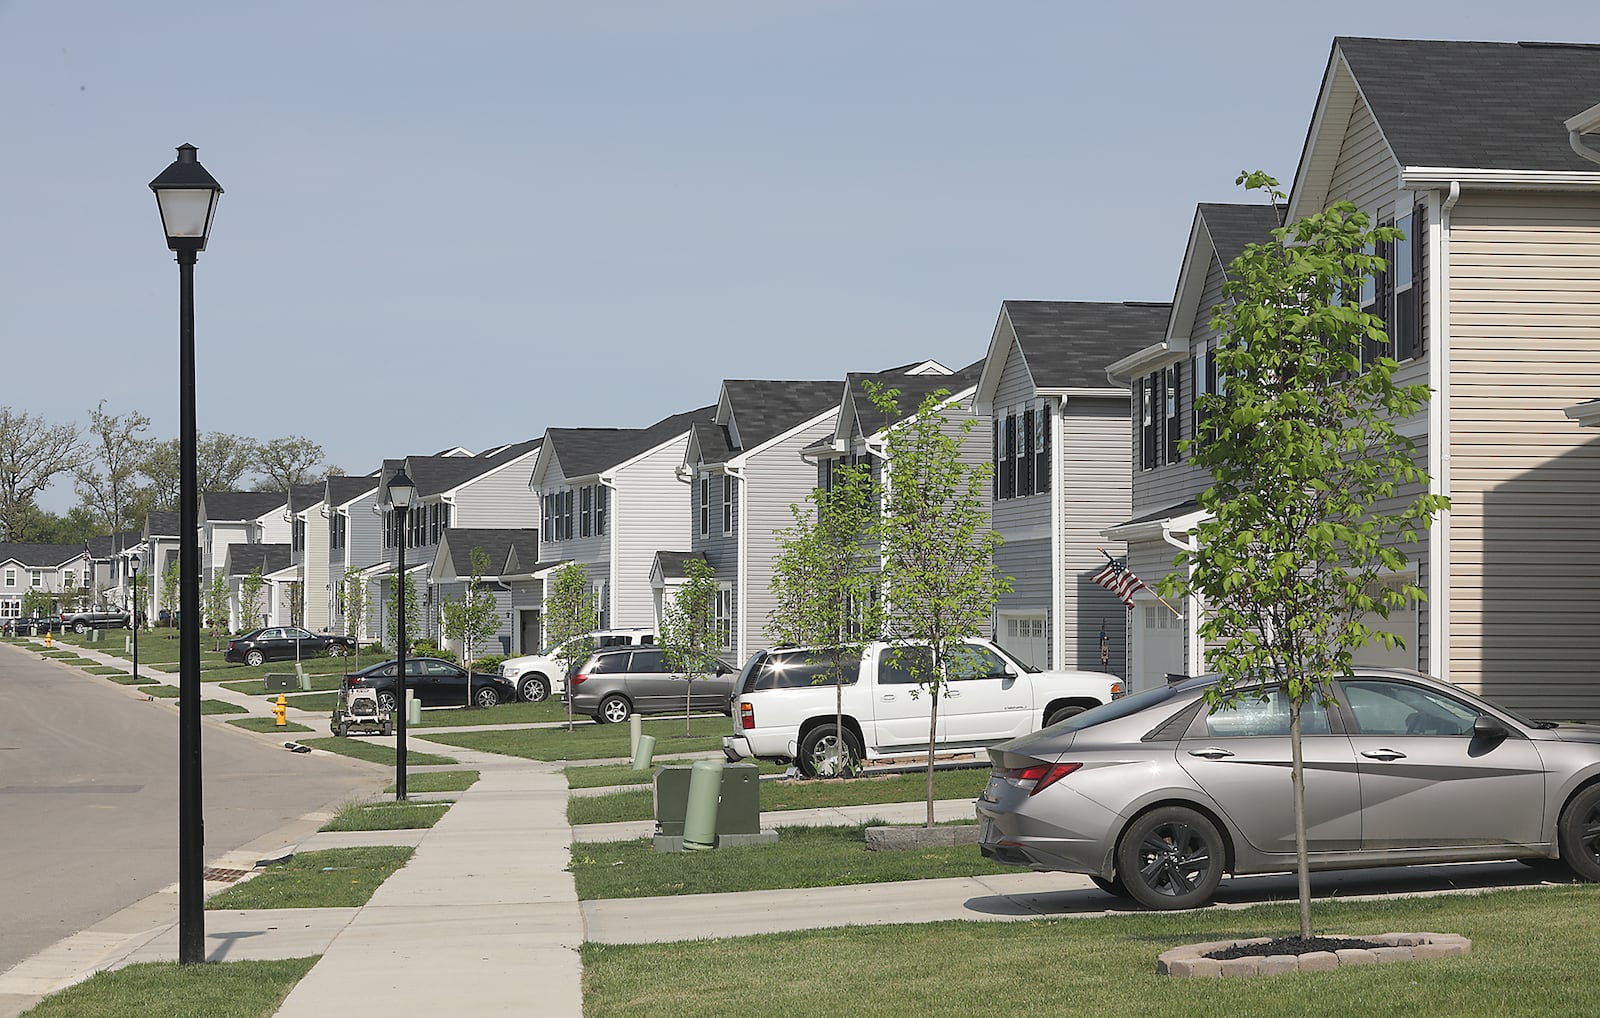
x: 388, y: 816
x: 128, y: 680
x: 602, y: 775
x: 438, y: 781
x: 105, y: 670
x: 333, y: 878
x: 268, y: 725
x: 590, y: 741
x: 638, y: 804
x: 319, y: 702
x: 803, y: 857
x: 377, y: 752
x: 1532, y: 954
x: 164, y: 691
x: 235, y: 989
x: 221, y: 707
x: 501, y: 714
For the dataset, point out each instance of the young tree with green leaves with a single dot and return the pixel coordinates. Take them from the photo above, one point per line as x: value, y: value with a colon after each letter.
x: 689, y: 634
x: 824, y: 581
x: 141, y: 594
x: 170, y: 578
x: 355, y: 602
x: 213, y: 604
x: 251, y: 596
x: 936, y: 544
x: 570, y: 619
x: 37, y: 604
x: 413, y: 612
x: 1314, y: 489
x: 474, y: 616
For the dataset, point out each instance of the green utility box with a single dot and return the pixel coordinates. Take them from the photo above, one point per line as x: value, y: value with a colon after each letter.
x: 281, y: 682
x: 739, y: 809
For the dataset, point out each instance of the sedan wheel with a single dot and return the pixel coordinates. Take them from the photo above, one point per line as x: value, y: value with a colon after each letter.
x: 535, y: 689
x: 486, y: 696
x: 1579, y: 834
x: 386, y: 701
x: 254, y: 659
x: 1171, y: 858
x: 337, y: 650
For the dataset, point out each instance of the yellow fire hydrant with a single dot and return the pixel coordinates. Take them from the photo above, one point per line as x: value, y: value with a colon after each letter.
x: 47, y: 639
x: 280, y: 710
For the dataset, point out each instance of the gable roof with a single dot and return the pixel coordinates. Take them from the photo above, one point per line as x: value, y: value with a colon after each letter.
x: 434, y: 475
x: 110, y: 544
x: 1493, y: 106
x: 243, y: 559
x: 763, y: 409
x: 913, y: 390
x: 40, y: 556
x: 234, y: 506
x: 304, y: 496
x: 456, y: 545
x: 1234, y: 227
x: 161, y: 524
x: 343, y: 489
x: 673, y: 565
x: 1067, y: 344
x: 708, y: 443
x: 583, y: 452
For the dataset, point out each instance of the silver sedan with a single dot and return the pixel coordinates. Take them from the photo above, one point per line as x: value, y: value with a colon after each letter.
x: 1157, y: 797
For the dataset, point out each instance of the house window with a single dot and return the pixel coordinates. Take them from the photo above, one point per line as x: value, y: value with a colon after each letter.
x: 1377, y: 297
x: 444, y: 517
x: 11, y: 577
x: 1024, y: 455
x: 1405, y: 325
x: 1041, y: 450
x: 35, y: 578
x: 1202, y: 376
x: 1008, y: 451
x: 600, y: 510
x: 705, y: 506
x: 69, y: 578
x: 727, y: 503
x: 724, y: 616
x: 1172, y: 413
x: 585, y: 510
x: 1148, y: 424
x: 10, y: 609
x: 297, y: 534
x: 546, y: 519
x: 567, y: 514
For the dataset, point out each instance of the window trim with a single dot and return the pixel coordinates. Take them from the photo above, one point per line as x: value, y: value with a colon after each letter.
x: 705, y: 505
x: 727, y: 504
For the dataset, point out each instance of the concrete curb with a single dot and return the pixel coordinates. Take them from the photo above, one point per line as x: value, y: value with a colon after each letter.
x: 1190, y: 961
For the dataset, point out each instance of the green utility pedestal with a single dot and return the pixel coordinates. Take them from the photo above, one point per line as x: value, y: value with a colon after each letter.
x: 738, y: 811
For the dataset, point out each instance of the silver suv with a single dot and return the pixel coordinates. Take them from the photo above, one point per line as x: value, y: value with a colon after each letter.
x: 615, y: 683
x: 540, y: 676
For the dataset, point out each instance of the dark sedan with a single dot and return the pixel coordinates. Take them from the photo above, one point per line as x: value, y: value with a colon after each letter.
x: 436, y: 683
x: 285, y: 642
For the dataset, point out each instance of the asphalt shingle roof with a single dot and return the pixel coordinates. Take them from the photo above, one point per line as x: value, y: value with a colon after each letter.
x: 304, y: 496
x: 497, y: 544
x: 585, y: 451
x: 435, y: 474
x: 1235, y: 227
x: 39, y: 556
x: 343, y: 489
x: 111, y: 544
x: 240, y: 505
x: 1068, y: 344
x: 243, y: 559
x: 763, y: 409
x: 161, y: 524
x: 673, y: 563
x: 1489, y: 105
x: 712, y: 441
x: 913, y: 390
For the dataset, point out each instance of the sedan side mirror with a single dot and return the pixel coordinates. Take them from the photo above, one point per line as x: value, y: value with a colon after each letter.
x: 1485, y: 726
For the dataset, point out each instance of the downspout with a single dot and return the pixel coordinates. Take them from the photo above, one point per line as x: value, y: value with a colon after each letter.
x: 1576, y: 140
x: 1194, y: 654
x: 1439, y: 433
x: 1058, y: 550
x: 742, y: 574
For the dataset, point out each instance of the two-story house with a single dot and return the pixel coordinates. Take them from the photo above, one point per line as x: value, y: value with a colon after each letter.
x: 506, y: 553
x: 1465, y: 147
x: 744, y: 471
x: 160, y: 549
x: 610, y: 499
x: 45, y: 569
x: 1059, y: 448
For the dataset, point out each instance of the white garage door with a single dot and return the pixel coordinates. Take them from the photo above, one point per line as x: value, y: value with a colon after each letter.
x: 1158, y: 637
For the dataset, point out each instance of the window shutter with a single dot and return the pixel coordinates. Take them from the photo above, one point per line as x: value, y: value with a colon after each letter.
x: 1174, y: 427
x: 1041, y: 467
x: 1419, y: 232
x: 1025, y: 457
x: 994, y: 479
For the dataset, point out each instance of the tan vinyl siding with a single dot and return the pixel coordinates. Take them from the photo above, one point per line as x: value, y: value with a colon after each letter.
x: 1525, y: 480
x: 1096, y: 493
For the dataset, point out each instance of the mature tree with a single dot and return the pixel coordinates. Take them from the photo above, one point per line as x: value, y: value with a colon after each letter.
x: 33, y: 452
x: 570, y: 619
x: 824, y: 582
x: 1314, y: 489
x: 355, y: 602
x: 106, y: 480
x: 413, y: 612
x: 171, y: 577
x: 690, y: 636
x: 936, y: 544
x: 221, y: 462
x: 252, y: 592
x: 76, y: 527
x: 474, y: 616
x: 214, y: 605
x: 286, y: 462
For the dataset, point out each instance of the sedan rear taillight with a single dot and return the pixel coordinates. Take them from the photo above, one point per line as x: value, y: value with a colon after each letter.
x: 1041, y: 775
x: 747, y: 716
x: 579, y: 679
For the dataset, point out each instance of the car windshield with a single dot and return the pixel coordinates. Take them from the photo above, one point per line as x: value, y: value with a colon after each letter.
x: 1122, y: 708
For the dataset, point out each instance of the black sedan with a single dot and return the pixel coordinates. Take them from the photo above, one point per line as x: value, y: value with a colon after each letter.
x: 436, y: 684
x: 285, y: 642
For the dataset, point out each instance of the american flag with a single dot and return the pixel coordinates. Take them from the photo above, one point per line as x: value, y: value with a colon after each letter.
x: 1119, y: 579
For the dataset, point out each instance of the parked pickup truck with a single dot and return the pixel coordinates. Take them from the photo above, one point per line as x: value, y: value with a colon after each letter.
x: 94, y: 618
x: 782, y: 712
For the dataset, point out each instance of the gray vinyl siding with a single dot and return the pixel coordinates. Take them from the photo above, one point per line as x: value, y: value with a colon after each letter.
x: 592, y: 552
x: 499, y: 499
x: 720, y: 549
x: 364, y: 534
x: 1095, y: 493
x: 649, y: 512
x: 1027, y: 563
x: 1016, y: 518
x: 775, y: 479
x: 1525, y: 480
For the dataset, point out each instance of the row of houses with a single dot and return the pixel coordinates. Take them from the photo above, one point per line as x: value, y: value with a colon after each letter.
x: 1483, y: 153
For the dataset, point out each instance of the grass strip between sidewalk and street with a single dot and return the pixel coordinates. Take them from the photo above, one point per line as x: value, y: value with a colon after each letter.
x: 590, y: 741
x: 331, y: 878
x: 222, y: 707
x: 376, y: 752
x: 608, y: 775
x: 235, y: 989
x: 268, y: 725
x: 500, y: 714
x: 388, y: 816
x: 438, y: 781
x: 784, y: 795
x: 803, y: 857
x: 127, y: 679
x: 1533, y: 953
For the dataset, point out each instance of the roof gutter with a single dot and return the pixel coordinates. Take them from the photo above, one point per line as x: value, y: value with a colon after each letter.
x: 1580, y: 125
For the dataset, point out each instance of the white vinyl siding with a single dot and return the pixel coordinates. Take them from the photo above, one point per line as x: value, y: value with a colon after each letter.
x: 649, y: 513
x: 1096, y: 492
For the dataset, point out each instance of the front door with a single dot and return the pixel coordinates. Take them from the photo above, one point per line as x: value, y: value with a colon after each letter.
x: 529, y: 637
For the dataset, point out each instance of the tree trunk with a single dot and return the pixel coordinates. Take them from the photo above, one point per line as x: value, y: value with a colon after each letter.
x: 933, y: 730
x: 1302, y: 860
x: 688, y: 698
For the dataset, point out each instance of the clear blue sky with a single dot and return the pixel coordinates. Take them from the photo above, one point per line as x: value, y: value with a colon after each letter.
x: 459, y: 224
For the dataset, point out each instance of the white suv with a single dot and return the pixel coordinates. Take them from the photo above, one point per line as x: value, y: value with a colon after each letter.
x: 539, y: 676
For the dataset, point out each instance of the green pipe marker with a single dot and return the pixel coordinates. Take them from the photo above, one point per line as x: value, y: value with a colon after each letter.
x: 643, y: 752
x: 705, y: 791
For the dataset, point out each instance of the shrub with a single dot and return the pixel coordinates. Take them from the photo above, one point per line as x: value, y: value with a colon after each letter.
x: 487, y: 663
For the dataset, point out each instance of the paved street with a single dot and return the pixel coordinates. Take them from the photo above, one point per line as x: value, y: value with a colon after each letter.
x: 88, y: 797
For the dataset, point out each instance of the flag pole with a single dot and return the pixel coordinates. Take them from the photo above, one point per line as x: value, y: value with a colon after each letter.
x: 1147, y: 586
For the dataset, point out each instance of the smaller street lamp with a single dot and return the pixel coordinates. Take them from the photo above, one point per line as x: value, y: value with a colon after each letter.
x: 400, y: 491
x: 133, y: 612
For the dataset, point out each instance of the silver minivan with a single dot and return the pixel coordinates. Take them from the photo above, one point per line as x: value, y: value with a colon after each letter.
x: 615, y: 683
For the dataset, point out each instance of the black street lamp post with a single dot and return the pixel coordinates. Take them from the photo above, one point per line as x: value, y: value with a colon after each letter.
x: 133, y: 612
x: 187, y: 197
x: 400, y: 491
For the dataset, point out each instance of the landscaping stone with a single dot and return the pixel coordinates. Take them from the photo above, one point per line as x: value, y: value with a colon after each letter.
x: 1191, y: 962
x: 901, y: 839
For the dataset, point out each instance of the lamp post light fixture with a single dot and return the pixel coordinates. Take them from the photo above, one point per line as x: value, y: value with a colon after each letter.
x: 187, y: 197
x: 133, y: 613
x: 400, y: 491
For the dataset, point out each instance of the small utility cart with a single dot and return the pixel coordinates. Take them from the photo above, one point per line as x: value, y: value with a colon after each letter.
x: 357, y: 709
